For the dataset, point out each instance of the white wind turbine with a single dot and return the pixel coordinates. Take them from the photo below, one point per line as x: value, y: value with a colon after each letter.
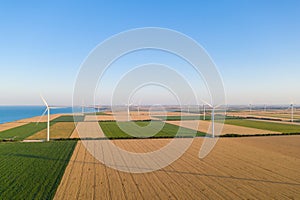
x: 292, y: 112
x: 128, y: 110
x: 82, y: 107
x: 48, y: 116
x: 213, y: 107
x: 137, y: 105
x: 203, y: 111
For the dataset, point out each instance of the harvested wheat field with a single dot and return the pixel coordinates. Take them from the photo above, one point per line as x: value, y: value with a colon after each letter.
x: 57, y: 130
x: 204, y: 126
x: 9, y: 125
x: 246, y: 168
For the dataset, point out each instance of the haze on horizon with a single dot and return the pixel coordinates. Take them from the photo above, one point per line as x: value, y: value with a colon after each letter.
x: 255, y: 45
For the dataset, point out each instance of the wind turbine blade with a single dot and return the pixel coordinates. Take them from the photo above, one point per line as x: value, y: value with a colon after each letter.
x: 45, y: 101
x: 206, y: 103
x: 41, y: 116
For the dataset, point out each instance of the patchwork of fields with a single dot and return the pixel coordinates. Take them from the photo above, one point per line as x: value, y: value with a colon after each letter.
x: 255, y: 167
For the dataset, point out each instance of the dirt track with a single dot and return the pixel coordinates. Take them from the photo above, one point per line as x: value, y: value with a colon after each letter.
x: 227, y: 128
x: 248, y: 168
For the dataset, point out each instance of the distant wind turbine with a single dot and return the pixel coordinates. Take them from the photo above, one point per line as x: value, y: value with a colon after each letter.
x: 212, y: 116
x: 82, y: 107
x: 128, y: 110
x: 203, y: 111
x: 292, y: 112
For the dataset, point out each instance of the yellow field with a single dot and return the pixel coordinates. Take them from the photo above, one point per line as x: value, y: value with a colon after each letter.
x: 57, y: 130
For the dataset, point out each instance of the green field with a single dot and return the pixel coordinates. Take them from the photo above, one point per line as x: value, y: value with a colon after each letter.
x: 112, y: 130
x: 22, y: 132
x: 69, y: 118
x: 271, y: 126
x: 33, y: 170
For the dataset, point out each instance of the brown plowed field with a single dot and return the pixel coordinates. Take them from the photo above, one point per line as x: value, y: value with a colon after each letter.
x: 245, y: 168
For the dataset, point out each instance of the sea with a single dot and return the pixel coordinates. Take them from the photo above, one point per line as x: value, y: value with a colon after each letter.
x: 14, y: 113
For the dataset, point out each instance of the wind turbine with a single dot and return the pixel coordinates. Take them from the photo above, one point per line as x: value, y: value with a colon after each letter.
x: 212, y: 116
x: 250, y: 108
x: 138, y: 106
x: 128, y: 111
x: 48, y: 117
x: 203, y: 111
x: 292, y: 112
x: 82, y: 107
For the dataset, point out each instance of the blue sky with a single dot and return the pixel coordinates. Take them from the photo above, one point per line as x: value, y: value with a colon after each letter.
x: 255, y: 44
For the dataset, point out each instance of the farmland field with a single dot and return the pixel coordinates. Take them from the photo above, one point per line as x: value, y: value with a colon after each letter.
x: 68, y: 118
x: 271, y: 126
x: 237, y: 168
x: 112, y: 130
x: 32, y: 170
x: 22, y: 132
x: 57, y: 130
